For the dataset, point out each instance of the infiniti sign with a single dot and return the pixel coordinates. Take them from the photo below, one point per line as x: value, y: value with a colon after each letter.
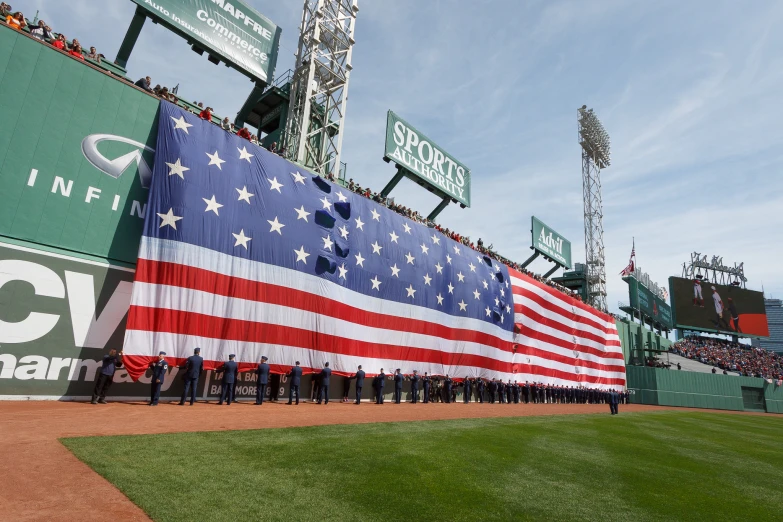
x: 117, y: 166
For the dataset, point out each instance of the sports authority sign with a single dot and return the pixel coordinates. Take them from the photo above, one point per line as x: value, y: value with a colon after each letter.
x: 416, y: 153
x: 550, y: 243
x: 228, y: 29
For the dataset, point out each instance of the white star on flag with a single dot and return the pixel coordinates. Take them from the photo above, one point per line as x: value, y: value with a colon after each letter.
x: 451, y: 289
x: 328, y: 242
x: 448, y: 259
x: 488, y: 311
x: 241, y: 238
x: 497, y: 302
x: 484, y: 282
x: 214, y: 159
x: 410, y: 291
x: 359, y: 223
x: 502, y: 293
x: 301, y: 213
x: 463, y: 306
x: 406, y: 227
x: 376, y: 283
x: 212, y: 205
x: 375, y: 215
x: 169, y: 219
x: 393, y: 236
x: 181, y: 124
x: 298, y: 178
x: 359, y: 259
x: 456, y: 249
x: 435, y: 239
x: 343, y: 271
x: 301, y: 255
x: 244, y: 194
x: 410, y: 258
x: 276, y: 226
x: 274, y: 185
x: 461, y: 277
x: 177, y: 169
x: 439, y: 298
x: 508, y: 309
x: 438, y: 268
x: 472, y: 267
x: 341, y: 197
x: 501, y: 318
x: 424, y: 249
x: 427, y: 279
x: 244, y: 154
x: 476, y: 294
x: 327, y: 204
x: 376, y: 248
x: 395, y: 270
x: 343, y: 231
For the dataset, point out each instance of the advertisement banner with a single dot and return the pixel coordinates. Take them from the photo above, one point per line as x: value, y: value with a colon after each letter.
x: 550, y: 243
x: 229, y: 29
x: 651, y: 305
x: 419, y: 155
x: 709, y: 307
x: 79, y: 181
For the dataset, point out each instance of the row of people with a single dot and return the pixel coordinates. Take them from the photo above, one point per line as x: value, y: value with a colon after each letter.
x: 40, y: 30
x: 743, y: 359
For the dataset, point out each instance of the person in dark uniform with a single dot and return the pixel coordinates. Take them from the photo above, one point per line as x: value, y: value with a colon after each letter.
x: 491, y: 388
x: 426, y: 380
x: 359, y: 376
x: 415, y: 386
x: 509, y: 392
x: 262, y: 372
x: 515, y: 390
x: 447, y: 389
x: 346, y: 388
x: 296, y: 379
x: 480, y: 390
x: 379, y: 387
x: 398, y: 378
x: 501, y: 392
x: 230, y: 370
x: 159, y: 369
x: 192, y: 367
x: 526, y: 392
x: 315, y: 393
x: 467, y: 388
x: 613, y: 400
x: 323, y: 377
x: 111, y: 362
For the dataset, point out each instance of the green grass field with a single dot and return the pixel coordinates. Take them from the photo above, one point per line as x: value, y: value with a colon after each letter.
x: 651, y: 466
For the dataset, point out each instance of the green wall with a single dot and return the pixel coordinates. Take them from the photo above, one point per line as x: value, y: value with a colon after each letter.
x: 700, y: 390
x: 633, y: 335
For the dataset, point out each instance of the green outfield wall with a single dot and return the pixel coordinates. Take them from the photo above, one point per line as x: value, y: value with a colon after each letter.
x: 637, y: 341
x: 702, y: 390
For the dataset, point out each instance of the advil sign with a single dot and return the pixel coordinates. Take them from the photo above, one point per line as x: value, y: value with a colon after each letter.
x: 550, y: 243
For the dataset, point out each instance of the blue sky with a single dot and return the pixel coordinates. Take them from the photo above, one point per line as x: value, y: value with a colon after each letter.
x: 690, y: 93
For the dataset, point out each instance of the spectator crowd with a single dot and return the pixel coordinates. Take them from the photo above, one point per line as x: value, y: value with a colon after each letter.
x: 743, y: 359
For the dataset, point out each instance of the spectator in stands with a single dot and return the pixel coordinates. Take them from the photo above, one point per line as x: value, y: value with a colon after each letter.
x: 206, y: 114
x: 726, y: 355
x: 226, y: 124
x: 5, y: 9
x: 41, y: 31
x: 76, y: 52
x: 93, y: 55
x: 61, y: 43
x: 145, y: 83
x: 16, y: 21
x: 273, y: 147
x: 244, y: 133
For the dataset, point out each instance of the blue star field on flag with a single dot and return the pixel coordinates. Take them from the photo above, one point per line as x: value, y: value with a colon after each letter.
x: 213, y: 189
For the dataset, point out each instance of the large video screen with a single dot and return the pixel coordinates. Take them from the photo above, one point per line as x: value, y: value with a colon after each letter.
x: 706, y: 306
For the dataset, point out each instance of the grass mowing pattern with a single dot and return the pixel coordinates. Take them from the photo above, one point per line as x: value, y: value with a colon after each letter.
x: 644, y: 466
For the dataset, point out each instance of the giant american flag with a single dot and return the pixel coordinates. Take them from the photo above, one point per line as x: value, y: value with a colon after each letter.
x: 245, y: 253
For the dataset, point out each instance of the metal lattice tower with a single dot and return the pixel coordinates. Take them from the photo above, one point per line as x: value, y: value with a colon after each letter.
x: 595, y: 156
x: 319, y: 87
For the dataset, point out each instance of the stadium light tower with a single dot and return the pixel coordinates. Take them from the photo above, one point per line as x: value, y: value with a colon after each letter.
x: 319, y: 87
x: 595, y: 156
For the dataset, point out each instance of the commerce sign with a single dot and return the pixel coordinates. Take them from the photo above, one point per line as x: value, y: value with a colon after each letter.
x: 229, y: 29
x: 550, y: 243
x: 420, y: 156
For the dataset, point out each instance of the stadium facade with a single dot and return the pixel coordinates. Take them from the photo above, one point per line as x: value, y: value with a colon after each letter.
x: 774, y: 342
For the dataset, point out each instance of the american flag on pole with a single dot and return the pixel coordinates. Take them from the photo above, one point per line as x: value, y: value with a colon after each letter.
x: 628, y: 270
x: 244, y: 252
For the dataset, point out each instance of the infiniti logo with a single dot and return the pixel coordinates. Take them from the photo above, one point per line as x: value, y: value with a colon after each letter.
x: 117, y: 166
